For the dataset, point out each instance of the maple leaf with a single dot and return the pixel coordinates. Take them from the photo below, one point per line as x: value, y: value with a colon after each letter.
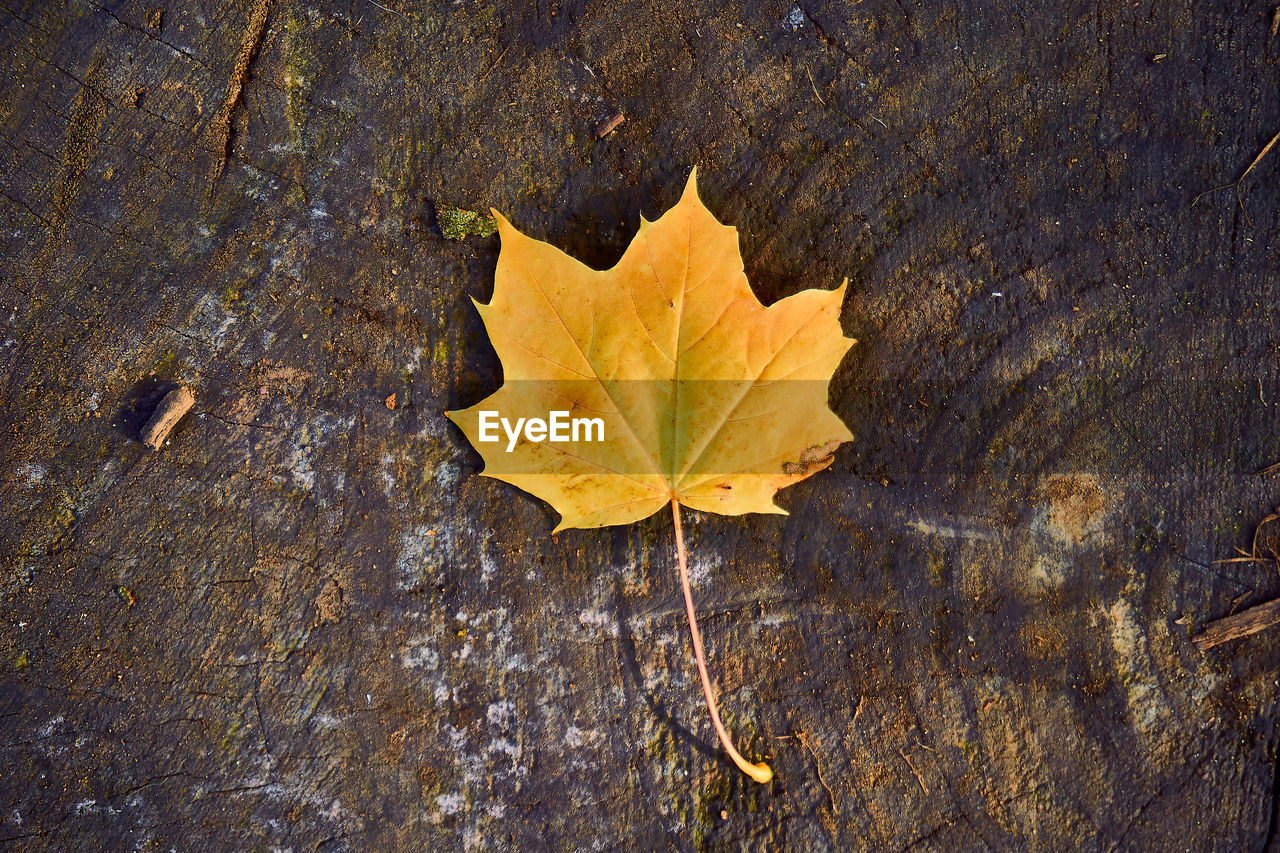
x: 705, y: 397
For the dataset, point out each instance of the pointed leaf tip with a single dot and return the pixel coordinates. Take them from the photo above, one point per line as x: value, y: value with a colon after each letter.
x: 691, y: 185
x: 504, y: 225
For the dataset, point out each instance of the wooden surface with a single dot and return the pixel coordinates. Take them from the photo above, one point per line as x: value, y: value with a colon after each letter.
x: 306, y: 622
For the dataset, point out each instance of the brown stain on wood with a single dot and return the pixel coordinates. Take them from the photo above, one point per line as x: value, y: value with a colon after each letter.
x: 81, y: 139
x: 1076, y: 505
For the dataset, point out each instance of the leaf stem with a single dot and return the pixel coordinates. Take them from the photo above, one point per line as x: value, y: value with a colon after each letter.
x: 759, y: 772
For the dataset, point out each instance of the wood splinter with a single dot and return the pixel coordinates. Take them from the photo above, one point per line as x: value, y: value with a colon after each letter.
x: 171, y: 409
x: 1238, y: 625
x: 609, y: 125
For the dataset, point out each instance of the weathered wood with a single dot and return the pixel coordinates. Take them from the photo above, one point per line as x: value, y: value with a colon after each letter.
x: 172, y: 407
x: 310, y: 624
x: 1238, y: 625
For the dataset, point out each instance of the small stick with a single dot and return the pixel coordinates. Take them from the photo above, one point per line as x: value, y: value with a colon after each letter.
x: 171, y: 409
x: 815, y: 88
x: 1236, y: 183
x: 923, y: 786
x: 609, y: 125
x: 1238, y: 625
x: 1253, y: 546
x: 1270, y: 469
x: 1256, y: 160
x: 760, y: 772
x: 495, y: 64
x: 392, y: 11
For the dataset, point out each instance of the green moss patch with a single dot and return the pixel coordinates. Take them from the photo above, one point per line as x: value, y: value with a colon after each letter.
x: 458, y: 224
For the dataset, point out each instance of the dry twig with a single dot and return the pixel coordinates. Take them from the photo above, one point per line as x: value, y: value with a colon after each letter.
x: 1236, y: 183
x: 815, y: 88
x: 923, y: 786
x: 1254, y: 619
x: 1252, y: 555
x: 1238, y: 625
x: 495, y: 64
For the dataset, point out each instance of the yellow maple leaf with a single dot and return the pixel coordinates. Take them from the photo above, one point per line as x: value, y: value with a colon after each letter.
x: 707, y: 397
x: 669, y: 381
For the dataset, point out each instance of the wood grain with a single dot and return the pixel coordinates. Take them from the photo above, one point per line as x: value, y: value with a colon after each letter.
x: 341, y: 637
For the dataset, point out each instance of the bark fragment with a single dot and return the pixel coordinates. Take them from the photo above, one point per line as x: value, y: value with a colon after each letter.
x: 171, y: 409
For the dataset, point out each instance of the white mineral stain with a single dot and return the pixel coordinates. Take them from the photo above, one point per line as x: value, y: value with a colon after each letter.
x: 701, y: 567
x: 424, y: 551
x: 418, y: 655
x: 1130, y: 643
x: 450, y: 803
x: 506, y: 747
x: 447, y: 477
x: 50, y: 727
x: 488, y: 566
x: 501, y: 714
x: 309, y: 442
x: 575, y: 737
x: 769, y: 622
x: 326, y: 722
x: 300, y: 468
x: 931, y: 528
x: 386, y: 467
x: 603, y: 623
